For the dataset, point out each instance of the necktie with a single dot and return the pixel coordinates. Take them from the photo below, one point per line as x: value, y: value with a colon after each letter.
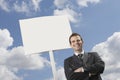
x: 80, y: 56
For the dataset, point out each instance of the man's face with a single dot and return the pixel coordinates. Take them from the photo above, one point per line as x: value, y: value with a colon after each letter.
x: 76, y: 43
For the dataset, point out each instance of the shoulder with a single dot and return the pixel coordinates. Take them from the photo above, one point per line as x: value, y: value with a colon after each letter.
x: 93, y: 54
x: 68, y: 59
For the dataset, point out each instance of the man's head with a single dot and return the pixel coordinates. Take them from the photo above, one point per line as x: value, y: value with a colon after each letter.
x: 76, y: 42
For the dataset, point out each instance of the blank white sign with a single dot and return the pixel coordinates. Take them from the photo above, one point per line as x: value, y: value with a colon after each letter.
x: 45, y: 33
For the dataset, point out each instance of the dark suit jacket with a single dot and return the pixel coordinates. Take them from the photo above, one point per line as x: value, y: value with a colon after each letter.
x: 92, y: 63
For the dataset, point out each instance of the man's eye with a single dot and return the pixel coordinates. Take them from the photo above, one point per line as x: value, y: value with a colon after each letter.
x: 78, y: 40
x: 73, y: 41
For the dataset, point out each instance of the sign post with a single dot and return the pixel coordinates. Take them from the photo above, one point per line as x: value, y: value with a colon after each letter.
x: 43, y: 34
x: 53, y: 64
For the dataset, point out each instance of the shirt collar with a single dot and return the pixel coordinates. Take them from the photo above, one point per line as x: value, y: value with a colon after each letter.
x: 79, y: 53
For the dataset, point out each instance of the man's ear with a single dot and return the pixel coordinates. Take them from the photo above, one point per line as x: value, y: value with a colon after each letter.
x: 82, y: 41
x: 70, y: 45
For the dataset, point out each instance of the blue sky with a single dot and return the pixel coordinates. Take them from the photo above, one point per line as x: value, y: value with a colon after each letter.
x: 98, y: 21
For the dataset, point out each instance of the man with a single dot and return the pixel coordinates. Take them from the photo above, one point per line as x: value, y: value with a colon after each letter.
x: 87, y: 66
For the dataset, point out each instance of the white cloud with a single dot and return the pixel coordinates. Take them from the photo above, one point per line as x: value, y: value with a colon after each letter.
x: 72, y: 15
x: 36, y: 4
x: 5, y: 39
x: 3, y: 57
x: 61, y: 74
x: 84, y: 3
x: 13, y: 60
x: 109, y: 50
x: 23, y: 6
x: 30, y: 7
x: 17, y: 59
x: 81, y: 3
x: 112, y: 76
x: 4, y: 5
x: 27, y: 7
x: 6, y: 74
x: 60, y: 3
x: 67, y: 7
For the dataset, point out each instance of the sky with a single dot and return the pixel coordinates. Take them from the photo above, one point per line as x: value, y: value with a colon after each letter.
x: 98, y: 21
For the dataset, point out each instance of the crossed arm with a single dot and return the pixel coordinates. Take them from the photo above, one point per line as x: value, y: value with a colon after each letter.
x: 96, y: 68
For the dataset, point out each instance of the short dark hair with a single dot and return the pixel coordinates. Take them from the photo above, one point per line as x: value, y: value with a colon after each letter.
x: 74, y: 34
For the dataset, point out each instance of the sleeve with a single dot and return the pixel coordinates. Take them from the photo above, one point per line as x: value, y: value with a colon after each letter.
x: 68, y: 70
x: 98, y: 64
x: 71, y: 75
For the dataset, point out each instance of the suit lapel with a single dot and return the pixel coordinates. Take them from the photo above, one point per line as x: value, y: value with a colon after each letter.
x: 75, y: 58
x: 85, y: 57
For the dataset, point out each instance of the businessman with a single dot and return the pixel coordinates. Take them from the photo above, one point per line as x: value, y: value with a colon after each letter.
x: 82, y: 65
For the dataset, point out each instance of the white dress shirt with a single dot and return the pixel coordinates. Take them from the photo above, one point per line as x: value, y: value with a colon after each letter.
x: 79, y: 53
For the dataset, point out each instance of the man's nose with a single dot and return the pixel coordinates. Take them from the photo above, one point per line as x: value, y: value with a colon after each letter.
x: 76, y: 42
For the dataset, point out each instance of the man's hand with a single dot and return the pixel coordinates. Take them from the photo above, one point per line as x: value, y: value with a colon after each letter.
x: 79, y: 70
x: 89, y: 74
